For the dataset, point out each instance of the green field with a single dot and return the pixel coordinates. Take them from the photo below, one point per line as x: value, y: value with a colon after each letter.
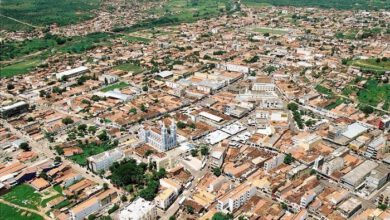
x: 337, y: 4
x: 23, y: 195
x: 129, y: 67
x: 323, y: 90
x: 264, y: 30
x: 45, y: 12
x: 89, y: 150
x: 119, y: 86
x: 19, y: 68
x: 8, y: 212
x: 375, y: 93
x: 371, y: 64
x: 134, y: 39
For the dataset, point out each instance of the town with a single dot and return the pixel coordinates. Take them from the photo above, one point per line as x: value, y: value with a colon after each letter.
x: 263, y: 112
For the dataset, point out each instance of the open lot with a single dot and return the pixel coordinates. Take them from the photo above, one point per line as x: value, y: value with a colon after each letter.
x: 8, y: 212
x: 119, y: 86
x: 19, y: 68
x: 23, y: 195
x: 371, y: 64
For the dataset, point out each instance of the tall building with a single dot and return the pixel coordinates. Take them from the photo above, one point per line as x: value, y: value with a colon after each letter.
x: 236, y: 198
x: 140, y: 209
x: 104, y: 160
x: 163, y: 138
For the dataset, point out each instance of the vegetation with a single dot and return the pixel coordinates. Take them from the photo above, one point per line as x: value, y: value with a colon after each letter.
x: 45, y: 12
x: 337, y: 4
x: 222, y: 216
x: 374, y: 65
x: 324, y: 90
x: 374, y: 93
x: 288, y: 159
x: 90, y: 150
x: 217, y: 171
x: 119, y: 86
x: 130, y: 67
x: 23, y: 195
x: 17, y: 214
x: 19, y: 68
x: 268, y: 31
x: 134, y: 39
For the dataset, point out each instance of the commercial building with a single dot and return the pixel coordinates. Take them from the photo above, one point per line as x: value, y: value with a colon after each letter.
x: 331, y: 166
x: 72, y: 72
x: 13, y: 109
x: 140, y: 209
x: 162, y: 138
x: 349, y: 207
x: 378, y: 177
x: 376, y: 147
x: 356, y: 176
x: 104, y: 160
x: 274, y: 162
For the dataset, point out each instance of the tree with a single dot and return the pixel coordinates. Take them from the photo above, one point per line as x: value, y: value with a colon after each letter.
x: 366, y: 109
x: 92, y: 129
x: 105, y: 186
x: 95, y: 98
x: 181, y: 125
x: 145, y: 88
x: 10, y: 86
x: 103, y: 136
x: 59, y: 150
x: 192, y: 125
x: 123, y: 198
x: 283, y: 206
x: 190, y: 210
x: 24, y: 146
x: 143, y: 108
x: 382, y: 207
x: 148, y: 152
x: 217, y: 171
x: 288, y: 159
x: 57, y: 159
x: 91, y: 217
x: 67, y: 121
x: 82, y: 127
x: 222, y: 216
x: 194, y: 152
x: 150, y: 191
x: 133, y: 111
x: 172, y: 217
x: 204, y: 150
x: 30, y: 119
x: 292, y: 106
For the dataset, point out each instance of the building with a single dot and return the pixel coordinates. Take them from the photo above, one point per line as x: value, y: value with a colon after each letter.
x: 163, y: 138
x: 93, y: 204
x: 356, y: 176
x: 378, y: 177
x: 171, y: 184
x: 72, y: 72
x: 13, y: 109
x: 104, y: 160
x: 108, y: 79
x: 274, y: 162
x: 217, y: 156
x: 349, y: 207
x: 264, y: 83
x: 165, y: 198
x: 234, y: 199
x: 384, y: 197
x: 331, y: 166
x: 140, y: 209
x: 376, y: 147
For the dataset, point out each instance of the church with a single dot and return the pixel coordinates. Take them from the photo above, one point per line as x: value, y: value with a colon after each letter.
x: 162, y: 138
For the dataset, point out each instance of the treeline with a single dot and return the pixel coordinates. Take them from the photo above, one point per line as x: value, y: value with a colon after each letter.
x: 337, y: 4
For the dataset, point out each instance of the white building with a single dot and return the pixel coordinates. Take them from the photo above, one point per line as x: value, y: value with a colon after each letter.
x: 263, y: 84
x: 274, y: 162
x: 108, y: 79
x: 170, y: 184
x: 165, y: 198
x: 72, y: 72
x: 234, y: 199
x: 140, y: 209
x: 104, y: 160
x: 336, y: 164
x: 162, y: 138
x: 84, y: 209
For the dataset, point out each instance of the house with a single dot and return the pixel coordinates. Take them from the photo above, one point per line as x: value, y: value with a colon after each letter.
x: 165, y: 198
x: 104, y: 160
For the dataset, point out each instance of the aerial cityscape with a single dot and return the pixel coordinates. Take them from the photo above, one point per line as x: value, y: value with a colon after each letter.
x: 194, y: 109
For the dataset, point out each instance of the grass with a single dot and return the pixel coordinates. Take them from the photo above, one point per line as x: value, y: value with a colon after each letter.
x: 337, y: 4
x: 133, y: 39
x: 119, y: 86
x: 8, y: 212
x: 89, y: 150
x: 45, y: 201
x: 324, y: 90
x: 129, y: 67
x: 371, y: 64
x: 269, y: 30
x: 334, y: 104
x: 375, y: 93
x: 45, y: 12
x: 23, y: 195
x: 19, y: 68
x: 61, y: 204
x: 58, y: 188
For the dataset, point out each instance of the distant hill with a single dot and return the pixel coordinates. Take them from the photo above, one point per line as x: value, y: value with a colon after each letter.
x: 336, y: 4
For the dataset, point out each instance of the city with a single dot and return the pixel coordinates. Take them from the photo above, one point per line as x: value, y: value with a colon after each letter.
x: 196, y: 110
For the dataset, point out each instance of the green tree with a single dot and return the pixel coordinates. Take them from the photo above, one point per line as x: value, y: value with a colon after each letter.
x: 292, y: 106
x: 222, y: 216
x: 92, y: 129
x: 103, y: 136
x: 366, y: 109
x: 288, y: 159
x: 82, y: 127
x: 204, y: 150
x: 194, y: 152
x: 24, y: 146
x: 217, y: 171
x: 67, y: 121
x: 10, y: 86
x: 181, y: 125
